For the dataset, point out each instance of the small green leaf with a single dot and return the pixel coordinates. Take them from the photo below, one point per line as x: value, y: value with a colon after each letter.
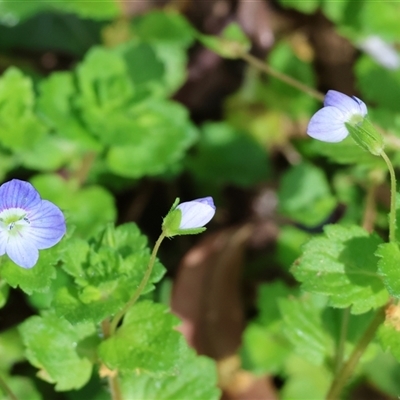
x: 305, y: 196
x: 231, y: 44
x: 164, y: 26
x: 19, y: 126
x: 388, y: 267
x: 52, y: 347
x: 342, y: 264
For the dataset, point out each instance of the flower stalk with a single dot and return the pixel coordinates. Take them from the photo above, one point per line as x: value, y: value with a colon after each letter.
x: 393, y: 190
x: 118, y: 317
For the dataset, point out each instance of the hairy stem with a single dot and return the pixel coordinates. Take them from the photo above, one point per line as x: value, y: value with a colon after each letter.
x: 138, y: 292
x: 347, y: 369
x: 392, y: 214
x: 255, y: 62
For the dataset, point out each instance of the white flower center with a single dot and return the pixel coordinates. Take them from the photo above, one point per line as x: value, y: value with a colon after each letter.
x: 14, y: 221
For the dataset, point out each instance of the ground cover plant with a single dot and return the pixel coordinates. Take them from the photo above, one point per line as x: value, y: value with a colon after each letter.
x: 127, y: 129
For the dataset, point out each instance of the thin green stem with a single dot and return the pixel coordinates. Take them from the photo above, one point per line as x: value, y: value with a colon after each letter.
x: 347, y: 369
x: 116, y: 320
x: 342, y: 339
x: 392, y: 214
x: 255, y: 62
x: 7, y: 390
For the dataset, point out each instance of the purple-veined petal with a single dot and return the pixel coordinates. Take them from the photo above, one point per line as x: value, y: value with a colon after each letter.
x: 348, y: 105
x: 196, y: 213
x: 328, y: 125
x: 22, y: 251
x: 47, y: 225
x: 18, y: 194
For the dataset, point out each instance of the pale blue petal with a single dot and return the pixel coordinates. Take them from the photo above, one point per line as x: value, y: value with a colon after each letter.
x: 22, y: 251
x: 362, y: 105
x: 196, y: 213
x: 3, y: 241
x: 348, y: 105
x: 47, y: 225
x: 206, y: 200
x: 328, y: 125
x: 18, y: 194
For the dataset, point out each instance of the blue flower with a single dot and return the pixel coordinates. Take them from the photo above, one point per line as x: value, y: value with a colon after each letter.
x: 330, y: 124
x: 196, y: 213
x: 27, y: 223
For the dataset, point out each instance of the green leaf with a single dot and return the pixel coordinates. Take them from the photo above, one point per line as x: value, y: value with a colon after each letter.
x: 384, y: 373
x: 4, y: 291
x: 231, y: 44
x: 305, y: 196
x: 194, y: 378
x: 22, y: 388
x: 57, y: 109
x: 147, y: 342
x: 305, y: 380
x: 107, y: 272
x: 265, y: 349
x: 49, y: 153
x: 51, y: 344
x: 169, y: 35
x: 20, y: 128
x: 144, y: 68
x: 88, y: 208
x: 11, y: 349
x: 220, y: 154
x: 302, y: 325
x: 342, y: 264
x: 388, y: 267
x: 378, y: 84
x: 164, y: 26
x: 160, y: 134
x: 26, y: 9
x: 36, y: 279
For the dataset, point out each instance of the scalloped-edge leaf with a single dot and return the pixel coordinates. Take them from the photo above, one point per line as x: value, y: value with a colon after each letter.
x: 51, y: 345
x: 342, y: 264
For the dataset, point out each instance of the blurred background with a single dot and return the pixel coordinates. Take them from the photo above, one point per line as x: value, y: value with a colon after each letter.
x: 113, y: 109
